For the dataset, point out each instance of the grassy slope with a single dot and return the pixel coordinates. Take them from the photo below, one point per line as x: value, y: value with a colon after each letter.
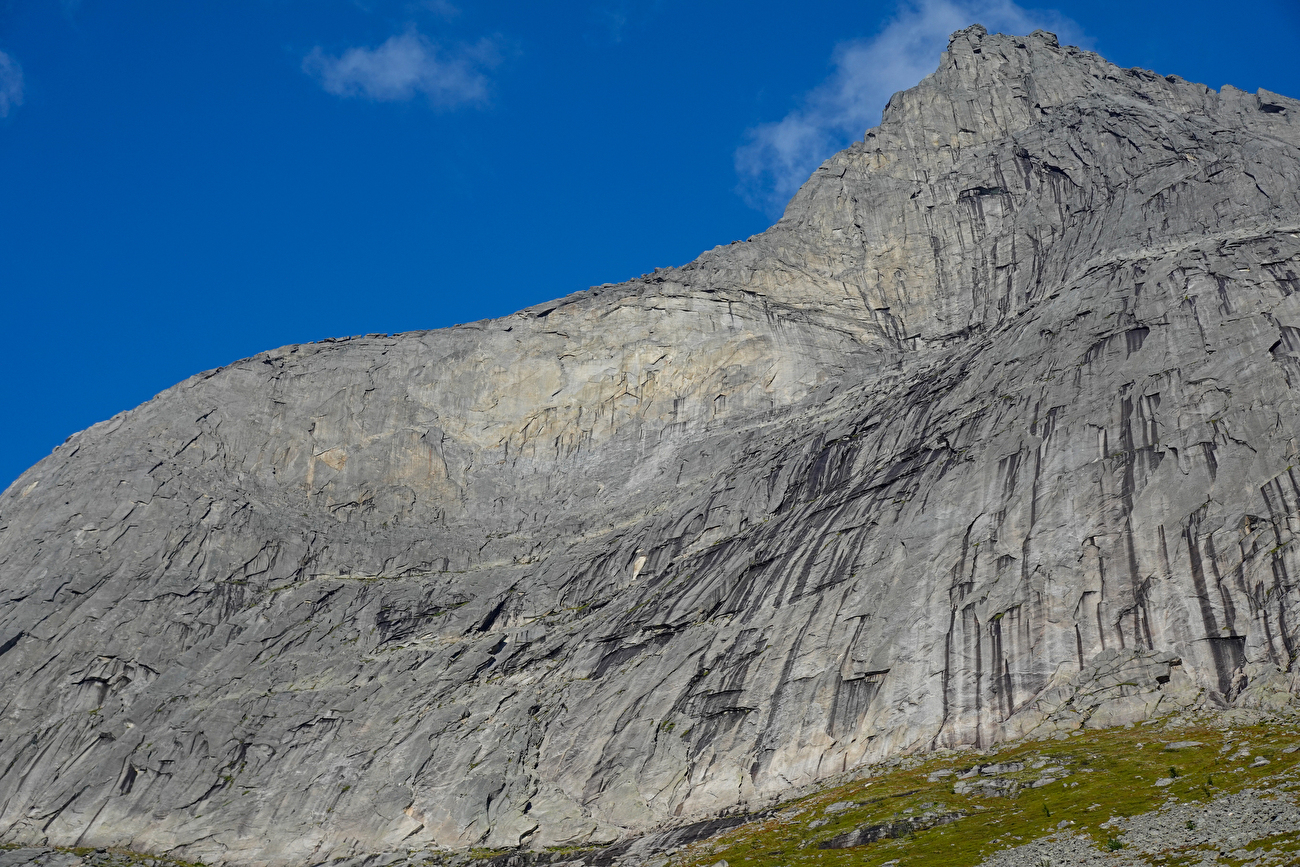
x: 1112, y: 773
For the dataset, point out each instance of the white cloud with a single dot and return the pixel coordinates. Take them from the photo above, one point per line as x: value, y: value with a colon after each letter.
x: 405, y: 66
x: 11, y: 84
x: 778, y: 157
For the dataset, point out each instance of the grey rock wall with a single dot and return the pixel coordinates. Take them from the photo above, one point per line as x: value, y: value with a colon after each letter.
x: 993, y: 434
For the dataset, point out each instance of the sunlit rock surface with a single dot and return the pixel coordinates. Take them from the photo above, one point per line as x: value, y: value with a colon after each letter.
x: 994, y: 433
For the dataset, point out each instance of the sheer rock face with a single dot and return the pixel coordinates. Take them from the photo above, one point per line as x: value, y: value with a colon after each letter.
x: 994, y: 433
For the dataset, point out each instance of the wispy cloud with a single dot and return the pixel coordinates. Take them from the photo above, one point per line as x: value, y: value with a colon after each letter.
x: 405, y: 66
x: 615, y: 20
x: 778, y: 157
x: 11, y: 84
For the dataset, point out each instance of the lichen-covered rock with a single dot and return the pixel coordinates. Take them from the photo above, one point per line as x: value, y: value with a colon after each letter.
x: 993, y: 434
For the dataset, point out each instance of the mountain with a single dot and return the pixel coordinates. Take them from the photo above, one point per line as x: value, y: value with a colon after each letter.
x: 992, y: 435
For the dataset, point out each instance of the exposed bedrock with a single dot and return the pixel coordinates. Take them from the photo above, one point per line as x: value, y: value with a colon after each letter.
x: 994, y: 433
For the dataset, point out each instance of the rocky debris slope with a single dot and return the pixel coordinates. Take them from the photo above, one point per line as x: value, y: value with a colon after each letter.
x: 993, y: 433
x: 1253, y: 828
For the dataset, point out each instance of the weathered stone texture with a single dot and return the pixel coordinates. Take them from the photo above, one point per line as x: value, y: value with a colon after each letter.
x: 994, y: 433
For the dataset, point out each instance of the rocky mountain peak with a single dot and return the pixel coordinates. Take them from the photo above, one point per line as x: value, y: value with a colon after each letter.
x: 992, y: 85
x: 1011, y: 125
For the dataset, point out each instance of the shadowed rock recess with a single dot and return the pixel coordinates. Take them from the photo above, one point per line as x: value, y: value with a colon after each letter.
x: 994, y: 434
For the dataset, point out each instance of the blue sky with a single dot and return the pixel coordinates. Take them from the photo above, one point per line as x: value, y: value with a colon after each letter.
x: 185, y: 184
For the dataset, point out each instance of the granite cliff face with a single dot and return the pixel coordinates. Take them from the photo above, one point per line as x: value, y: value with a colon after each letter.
x: 994, y: 433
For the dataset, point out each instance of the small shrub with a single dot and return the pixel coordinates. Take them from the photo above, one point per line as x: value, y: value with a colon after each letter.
x: 1114, y: 845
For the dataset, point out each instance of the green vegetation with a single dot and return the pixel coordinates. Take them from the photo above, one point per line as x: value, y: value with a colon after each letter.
x: 484, y: 853
x: 1111, y: 773
x: 1288, y: 842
